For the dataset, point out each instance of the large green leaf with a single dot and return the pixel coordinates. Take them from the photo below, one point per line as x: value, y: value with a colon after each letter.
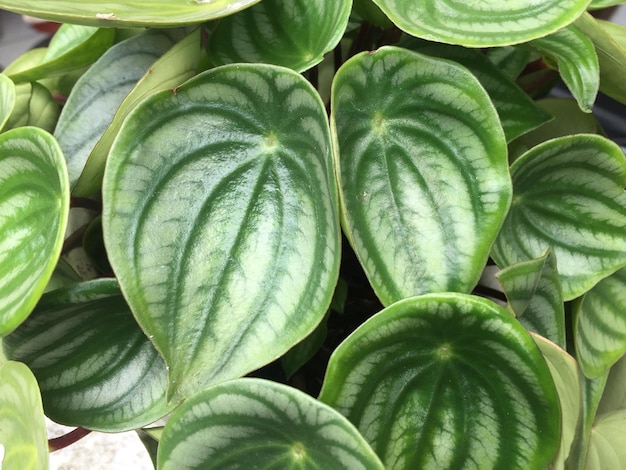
x: 615, y: 30
x: 481, y: 24
x: 23, y: 441
x: 99, y: 92
x: 446, y: 381
x: 7, y: 99
x: 254, y: 423
x: 568, y: 195
x: 577, y: 62
x: 600, y: 327
x: 95, y: 366
x: 106, y: 13
x: 533, y: 290
x: 220, y: 220
x: 423, y: 171
x: 607, y: 446
x: 173, y: 68
x: 34, y: 207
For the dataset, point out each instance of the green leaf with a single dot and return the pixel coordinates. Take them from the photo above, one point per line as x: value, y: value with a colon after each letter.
x: 446, y: 381
x: 614, y: 396
x: 615, y: 30
x: 533, y: 290
x: 220, y: 220
x: 291, y: 33
x: 112, y: 14
x: 600, y: 327
x: 95, y: 366
x: 7, y: 99
x: 169, y: 71
x: 481, y: 24
x: 366, y: 10
x: 34, y: 207
x: 421, y: 210
x: 518, y: 113
x: 568, y: 194
x: 607, y: 446
x: 26, y: 61
x: 71, y: 48
x: 254, y: 423
x: 63, y: 275
x: 98, y: 94
x: 34, y: 106
x: 510, y: 60
x: 577, y: 62
x: 597, y: 4
x: 23, y: 441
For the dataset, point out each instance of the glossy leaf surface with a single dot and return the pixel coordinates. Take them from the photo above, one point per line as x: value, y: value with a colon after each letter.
x: 481, y: 24
x: 533, y: 290
x: 7, y: 99
x: 253, y: 423
x: 108, y: 14
x: 423, y: 172
x: 108, y: 377
x: 600, y: 328
x: 569, y: 196
x: 34, y: 207
x: 23, y: 441
x: 221, y: 221
x: 291, y: 33
x: 428, y: 395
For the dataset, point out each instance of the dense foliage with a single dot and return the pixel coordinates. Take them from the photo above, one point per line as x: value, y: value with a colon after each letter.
x: 277, y: 223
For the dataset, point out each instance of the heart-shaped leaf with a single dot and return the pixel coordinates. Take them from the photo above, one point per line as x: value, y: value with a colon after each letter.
x: 577, y: 62
x: 108, y: 376
x: 569, y: 196
x: 220, y: 220
x: 34, y: 207
x: 533, y: 289
x: 254, y: 423
x: 23, y: 441
x: 600, y: 327
x: 607, y: 446
x: 98, y: 93
x: 423, y: 172
x: 291, y: 33
x: 7, y: 99
x: 481, y: 24
x: 155, y: 13
x: 446, y: 381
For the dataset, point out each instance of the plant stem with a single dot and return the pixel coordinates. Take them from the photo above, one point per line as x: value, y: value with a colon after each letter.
x: 67, y: 439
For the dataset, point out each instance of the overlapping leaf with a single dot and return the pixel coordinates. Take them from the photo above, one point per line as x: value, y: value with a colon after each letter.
x: 481, y: 24
x: 34, y: 106
x: 569, y: 196
x: 23, y: 441
x: 291, y: 33
x: 428, y: 395
x: 423, y: 171
x: 156, y: 13
x: 108, y: 377
x: 220, y: 220
x: 607, y: 447
x: 614, y: 396
x: 7, y: 99
x: 253, y: 423
x: 34, y: 207
x: 600, y: 328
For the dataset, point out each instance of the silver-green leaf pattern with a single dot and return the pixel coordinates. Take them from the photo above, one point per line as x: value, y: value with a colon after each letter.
x: 480, y: 23
x: 446, y: 381
x: 568, y: 195
x: 108, y: 377
x: 254, y: 423
x: 220, y: 220
x: 600, y: 326
x: 291, y: 33
x: 423, y: 172
x: 34, y: 207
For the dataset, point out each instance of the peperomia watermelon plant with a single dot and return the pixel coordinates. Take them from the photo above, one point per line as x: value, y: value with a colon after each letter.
x: 275, y: 224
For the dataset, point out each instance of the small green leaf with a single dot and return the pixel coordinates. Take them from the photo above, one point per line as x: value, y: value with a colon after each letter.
x: 291, y: 33
x: 600, y: 327
x: 112, y: 14
x: 7, y: 99
x: 423, y: 172
x: 34, y: 106
x: 614, y: 396
x: 481, y: 24
x: 607, y: 446
x: 72, y: 47
x: 254, y: 423
x: 34, y: 207
x: 510, y: 60
x: 568, y: 195
x: 577, y: 63
x: 23, y: 441
x: 95, y: 367
x: 446, y: 381
x: 220, y: 220
x: 533, y: 290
